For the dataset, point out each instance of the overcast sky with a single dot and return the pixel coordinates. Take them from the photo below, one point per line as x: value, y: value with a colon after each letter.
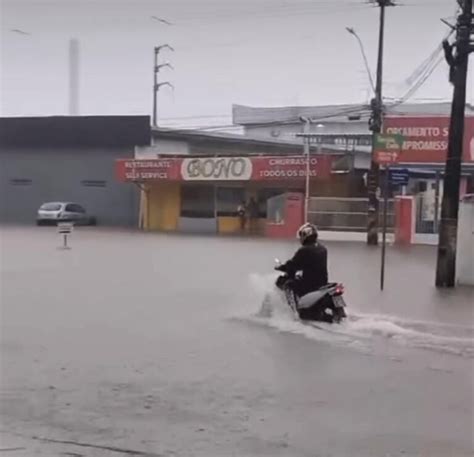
x: 256, y: 52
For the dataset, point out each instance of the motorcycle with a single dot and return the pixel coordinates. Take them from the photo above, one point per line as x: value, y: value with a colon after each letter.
x: 323, y: 305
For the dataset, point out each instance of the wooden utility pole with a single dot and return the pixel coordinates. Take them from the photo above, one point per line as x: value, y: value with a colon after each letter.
x: 457, y: 56
x: 376, y: 127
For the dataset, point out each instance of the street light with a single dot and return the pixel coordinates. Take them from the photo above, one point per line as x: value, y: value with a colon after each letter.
x: 364, y: 55
x: 161, y: 20
x: 20, y: 32
x: 156, y: 85
x: 306, y: 151
x: 157, y: 68
x: 158, y: 49
x: 164, y: 65
x: 320, y: 128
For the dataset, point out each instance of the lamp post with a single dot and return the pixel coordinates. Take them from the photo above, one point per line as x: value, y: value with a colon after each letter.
x: 364, y: 56
x: 306, y: 150
x: 156, y: 84
x: 307, y: 154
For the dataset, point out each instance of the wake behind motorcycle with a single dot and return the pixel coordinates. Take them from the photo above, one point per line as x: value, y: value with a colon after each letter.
x: 323, y: 305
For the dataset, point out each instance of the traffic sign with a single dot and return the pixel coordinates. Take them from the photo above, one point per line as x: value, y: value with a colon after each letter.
x: 399, y: 176
x: 388, y: 142
x: 387, y: 148
x: 386, y: 157
x: 65, y: 228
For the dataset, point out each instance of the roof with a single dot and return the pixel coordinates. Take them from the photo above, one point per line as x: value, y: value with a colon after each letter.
x: 75, y: 131
x: 290, y: 144
x: 203, y: 135
x: 247, y: 115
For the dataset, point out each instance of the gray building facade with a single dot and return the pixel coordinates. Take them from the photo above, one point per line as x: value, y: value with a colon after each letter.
x: 69, y: 159
x: 327, y: 120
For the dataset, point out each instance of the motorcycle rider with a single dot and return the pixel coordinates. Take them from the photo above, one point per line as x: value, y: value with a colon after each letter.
x: 310, y: 259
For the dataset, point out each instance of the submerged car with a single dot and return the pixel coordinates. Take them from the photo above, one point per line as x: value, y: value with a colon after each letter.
x: 54, y: 212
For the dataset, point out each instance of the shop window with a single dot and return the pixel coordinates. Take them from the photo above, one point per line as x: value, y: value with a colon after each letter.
x: 197, y: 201
x: 262, y: 197
x: 422, y: 186
x: 229, y: 199
x: 275, y: 209
x: 21, y: 182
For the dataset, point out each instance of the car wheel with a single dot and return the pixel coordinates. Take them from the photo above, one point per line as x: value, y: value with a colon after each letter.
x: 93, y: 221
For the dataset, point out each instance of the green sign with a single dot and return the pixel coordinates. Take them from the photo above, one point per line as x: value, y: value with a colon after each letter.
x: 388, y: 142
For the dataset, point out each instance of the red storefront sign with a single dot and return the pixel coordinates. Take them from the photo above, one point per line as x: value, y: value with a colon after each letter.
x: 130, y: 170
x: 287, y: 168
x: 221, y: 168
x: 426, y: 138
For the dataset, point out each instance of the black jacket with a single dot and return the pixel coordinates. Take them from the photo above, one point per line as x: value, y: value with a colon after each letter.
x: 312, y: 261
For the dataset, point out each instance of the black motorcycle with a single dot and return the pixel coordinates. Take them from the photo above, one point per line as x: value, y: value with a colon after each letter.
x: 323, y: 305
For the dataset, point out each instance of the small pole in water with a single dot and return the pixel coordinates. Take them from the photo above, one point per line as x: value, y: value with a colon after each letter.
x: 64, y: 229
x: 384, y: 229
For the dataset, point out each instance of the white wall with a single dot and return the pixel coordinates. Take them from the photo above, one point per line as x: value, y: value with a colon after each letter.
x: 465, y: 244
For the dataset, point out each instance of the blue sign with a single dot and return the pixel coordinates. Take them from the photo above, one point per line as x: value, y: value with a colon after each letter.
x: 399, y: 176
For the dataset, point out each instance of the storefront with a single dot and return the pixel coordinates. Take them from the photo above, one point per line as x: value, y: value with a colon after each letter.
x: 203, y: 194
x: 423, y: 156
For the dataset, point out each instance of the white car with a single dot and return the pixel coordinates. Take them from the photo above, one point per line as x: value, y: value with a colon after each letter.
x: 54, y: 212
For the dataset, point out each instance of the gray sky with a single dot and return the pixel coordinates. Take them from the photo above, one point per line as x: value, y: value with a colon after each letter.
x: 257, y: 52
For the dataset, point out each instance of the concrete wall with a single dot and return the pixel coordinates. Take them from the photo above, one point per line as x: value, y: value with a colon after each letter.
x: 30, y: 176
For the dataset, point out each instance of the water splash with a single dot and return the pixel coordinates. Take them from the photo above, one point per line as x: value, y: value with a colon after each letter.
x: 360, y: 330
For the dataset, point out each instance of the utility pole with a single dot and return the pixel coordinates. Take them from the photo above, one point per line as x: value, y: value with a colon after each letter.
x: 156, y: 85
x: 375, y: 125
x: 457, y: 56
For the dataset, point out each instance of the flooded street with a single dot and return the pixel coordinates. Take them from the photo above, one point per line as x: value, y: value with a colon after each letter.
x: 145, y: 344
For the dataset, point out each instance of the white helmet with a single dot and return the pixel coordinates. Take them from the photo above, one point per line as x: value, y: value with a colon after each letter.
x: 307, y: 233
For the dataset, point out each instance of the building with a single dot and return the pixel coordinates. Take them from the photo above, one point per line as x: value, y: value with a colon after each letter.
x: 195, y: 181
x: 66, y: 158
x: 347, y: 127
x: 284, y: 122
x: 425, y: 127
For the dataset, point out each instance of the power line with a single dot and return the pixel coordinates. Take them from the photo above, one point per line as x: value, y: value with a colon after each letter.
x: 423, y: 72
x: 422, y: 81
x: 421, y: 69
x: 363, y: 110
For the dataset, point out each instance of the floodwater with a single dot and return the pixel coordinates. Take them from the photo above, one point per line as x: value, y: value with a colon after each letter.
x: 145, y: 344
